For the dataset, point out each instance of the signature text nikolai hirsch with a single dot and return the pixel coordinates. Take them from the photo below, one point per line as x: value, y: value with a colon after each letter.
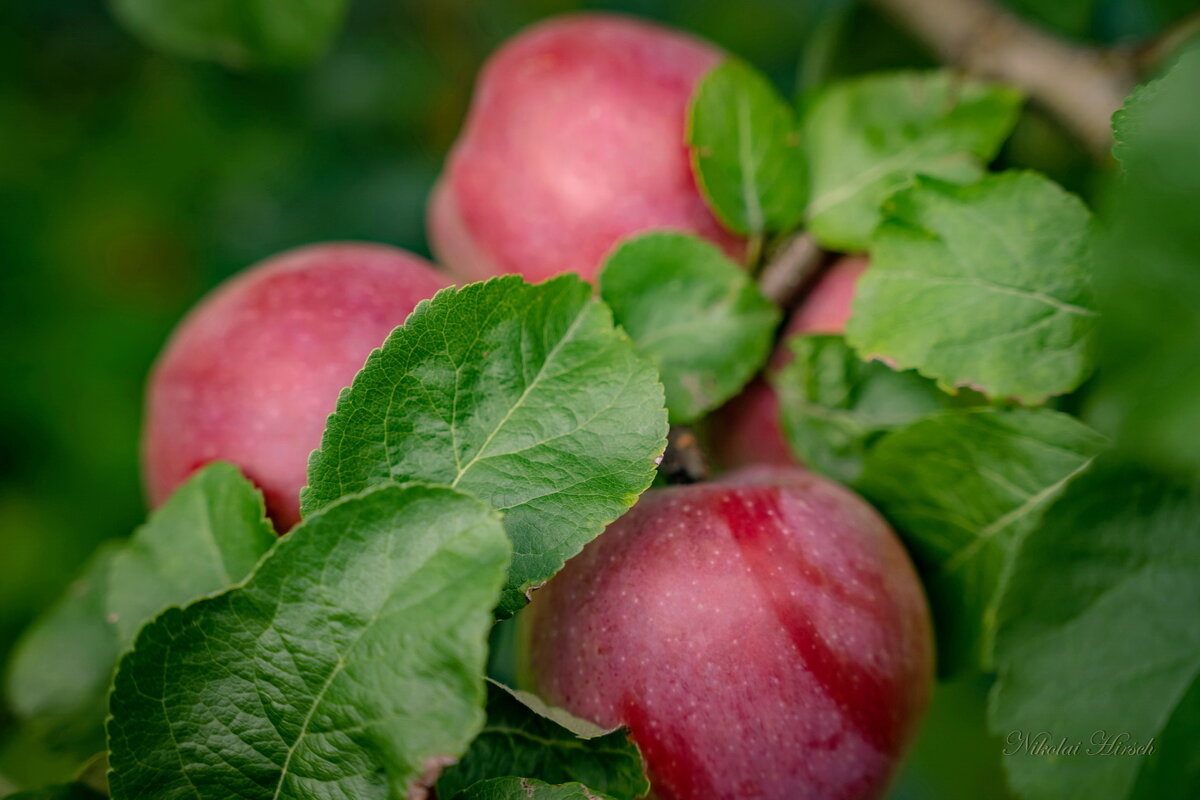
x: 1102, y: 743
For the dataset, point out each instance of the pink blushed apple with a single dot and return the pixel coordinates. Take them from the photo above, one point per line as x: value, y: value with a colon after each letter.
x: 762, y: 637
x: 574, y: 140
x: 252, y: 372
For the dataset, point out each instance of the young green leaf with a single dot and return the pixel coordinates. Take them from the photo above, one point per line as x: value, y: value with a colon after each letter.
x: 1148, y: 274
x: 986, y: 286
x: 62, y: 791
x: 518, y: 740
x: 237, y: 33
x: 963, y: 487
x: 527, y: 789
x: 1098, y: 642
x: 745, y: 146
x: 348, y: 664
x: 695, y: 313
x: 834, y: 406
x: 61, y: 668
x: 525, y: 396
x: 205, y: 538
x: 867, y: 137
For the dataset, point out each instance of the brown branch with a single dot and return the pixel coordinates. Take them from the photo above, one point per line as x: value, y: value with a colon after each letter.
x: 1155, y: 53
x: 1081, y: 86
x: 789, y: 266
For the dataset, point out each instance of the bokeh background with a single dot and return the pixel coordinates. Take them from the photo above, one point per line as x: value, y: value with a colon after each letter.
x: 131, y: 182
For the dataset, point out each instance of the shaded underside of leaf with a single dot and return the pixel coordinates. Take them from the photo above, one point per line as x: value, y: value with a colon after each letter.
x: 520, y: 740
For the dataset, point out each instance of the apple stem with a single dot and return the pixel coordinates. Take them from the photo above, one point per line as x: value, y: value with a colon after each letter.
x: 684, y: 460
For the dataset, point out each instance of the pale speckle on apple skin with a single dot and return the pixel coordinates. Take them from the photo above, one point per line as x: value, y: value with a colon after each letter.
x: 694, y: 618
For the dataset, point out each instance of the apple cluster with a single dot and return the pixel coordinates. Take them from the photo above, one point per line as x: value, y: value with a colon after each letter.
x: 762, y: 634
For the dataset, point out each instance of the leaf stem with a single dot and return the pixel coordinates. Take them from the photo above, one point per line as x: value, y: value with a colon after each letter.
x: 754, y: 251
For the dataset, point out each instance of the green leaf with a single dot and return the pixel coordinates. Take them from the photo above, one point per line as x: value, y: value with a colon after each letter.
x: 1098, y: 633
x: 525, y: 396
x: 867, y: 137
x: 1176, y: 759
x: 582, y: 728
x: 963, y: 488
x: 1148, y: 275
x: 237, y: 33
x: 349, y: 664
x: 834, y: 405
x: 986, y: 286
x: 745, y: 146
x: 520, y: 740
x: 62, y: 791
x: 61, y: 668
x: 94, y: 773
x: 205, y: 538
x: 692, y: 311
x: 527, y: 789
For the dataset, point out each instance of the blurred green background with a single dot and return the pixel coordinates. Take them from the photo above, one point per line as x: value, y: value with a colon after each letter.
x: 131, y: 182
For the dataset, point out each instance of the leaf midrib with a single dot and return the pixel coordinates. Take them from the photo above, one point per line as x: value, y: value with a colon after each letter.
x: 1005, y: 520
x: 901, y: 161
x: 342, y: 661
x: 998, y: 288
x: 754, y: 213
x: 566, y: 337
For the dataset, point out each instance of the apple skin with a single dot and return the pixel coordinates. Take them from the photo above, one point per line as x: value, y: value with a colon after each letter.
x: 826, y: 308
x: 762, y: 637
x: 747, y: 430
x: 252, y: 373
x: 575, y: 139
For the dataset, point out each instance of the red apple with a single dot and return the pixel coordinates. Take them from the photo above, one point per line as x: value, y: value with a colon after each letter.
x: 575, y: 138
x: 826, y: 308
x: 747, y: 430
x: 762, y: 637
x: 251, y: 373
